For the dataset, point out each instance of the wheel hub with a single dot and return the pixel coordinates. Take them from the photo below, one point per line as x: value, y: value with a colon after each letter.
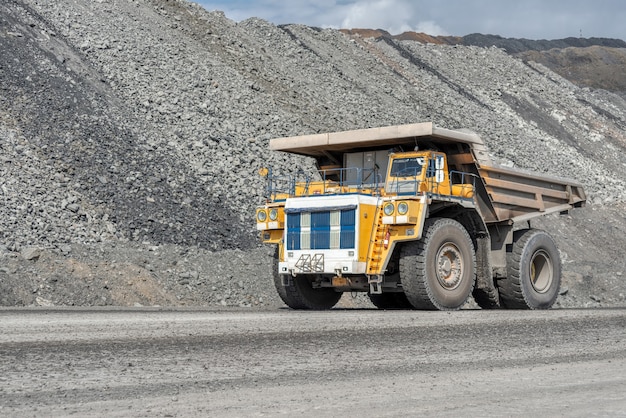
x: 541, y: 271
x: 449, y: 266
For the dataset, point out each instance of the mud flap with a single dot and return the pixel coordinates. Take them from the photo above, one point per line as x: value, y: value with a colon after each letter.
x: 485, y: 292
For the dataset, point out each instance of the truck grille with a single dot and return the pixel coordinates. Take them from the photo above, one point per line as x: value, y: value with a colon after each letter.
x: 321, y: 230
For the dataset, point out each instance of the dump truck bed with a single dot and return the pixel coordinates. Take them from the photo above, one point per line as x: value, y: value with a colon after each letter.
x: 502, y: 194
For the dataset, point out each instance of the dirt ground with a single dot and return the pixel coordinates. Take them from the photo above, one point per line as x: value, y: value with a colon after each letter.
x: 233, y: 362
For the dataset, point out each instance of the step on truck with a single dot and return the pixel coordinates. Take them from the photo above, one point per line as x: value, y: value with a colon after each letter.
x: 415, y: 215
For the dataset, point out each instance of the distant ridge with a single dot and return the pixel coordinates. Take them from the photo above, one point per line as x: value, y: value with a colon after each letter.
x: 510, y: 45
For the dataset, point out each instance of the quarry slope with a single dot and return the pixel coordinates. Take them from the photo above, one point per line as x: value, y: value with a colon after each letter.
x: 587, y: 62
x: 131, y: 133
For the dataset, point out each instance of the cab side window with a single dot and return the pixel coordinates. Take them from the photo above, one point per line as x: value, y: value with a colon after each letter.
x: 432, y: 169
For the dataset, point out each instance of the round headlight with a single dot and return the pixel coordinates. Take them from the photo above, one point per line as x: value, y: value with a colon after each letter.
x: 403, y: 208
x: 388, y: 209
x: 273, y: 214
x: 261, y: 216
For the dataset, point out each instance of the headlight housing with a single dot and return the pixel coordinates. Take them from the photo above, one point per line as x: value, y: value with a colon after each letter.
x: 388, y: 209
x: 403, y: 208
x: 261, y: 215
x: 273, y: 214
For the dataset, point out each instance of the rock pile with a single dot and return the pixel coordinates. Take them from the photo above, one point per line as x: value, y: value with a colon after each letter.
x: 144, y: 122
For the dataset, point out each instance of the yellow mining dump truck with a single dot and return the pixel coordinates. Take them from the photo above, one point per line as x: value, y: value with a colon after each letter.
x: 416, y: 216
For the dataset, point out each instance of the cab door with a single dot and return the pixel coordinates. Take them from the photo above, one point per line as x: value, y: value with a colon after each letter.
x: 437, y: 177
x: 406, y: 173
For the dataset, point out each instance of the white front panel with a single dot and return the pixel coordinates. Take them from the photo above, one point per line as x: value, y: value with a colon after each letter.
x: 303, y: 259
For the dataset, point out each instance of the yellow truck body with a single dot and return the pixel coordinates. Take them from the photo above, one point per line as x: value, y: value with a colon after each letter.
x: 416, y: 216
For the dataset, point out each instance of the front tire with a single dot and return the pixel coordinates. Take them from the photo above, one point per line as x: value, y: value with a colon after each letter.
x: 299, y: 292
x: 439, y: 270
x: 533, y: 272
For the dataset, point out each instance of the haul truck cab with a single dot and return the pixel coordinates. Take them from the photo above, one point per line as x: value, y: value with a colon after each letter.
x: 416, y: 216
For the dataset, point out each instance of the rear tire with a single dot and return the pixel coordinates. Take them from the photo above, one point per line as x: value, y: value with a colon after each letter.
x: 533, y: 272
x: 391, y: 300
x: 299, y: 292
x: 439, y: 270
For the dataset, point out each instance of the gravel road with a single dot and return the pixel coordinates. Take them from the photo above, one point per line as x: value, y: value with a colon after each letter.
x: 341, y: 362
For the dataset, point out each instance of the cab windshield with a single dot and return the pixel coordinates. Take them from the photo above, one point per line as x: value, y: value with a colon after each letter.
x: 407, y: 167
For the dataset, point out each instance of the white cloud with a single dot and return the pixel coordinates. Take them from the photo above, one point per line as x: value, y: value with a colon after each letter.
x: 376, y: 14
x: 431, y: 28
x: 394, y: 16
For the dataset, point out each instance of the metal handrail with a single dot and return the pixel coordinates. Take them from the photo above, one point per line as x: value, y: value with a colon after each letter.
x: 354, y: 179
x: 463, y: 175
x: 333, y: 181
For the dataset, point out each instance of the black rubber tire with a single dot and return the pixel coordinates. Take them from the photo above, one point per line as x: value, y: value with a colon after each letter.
x: 426, y: 286
x: 300, y: 294
x: 395, y: 300
x: 533, y: 272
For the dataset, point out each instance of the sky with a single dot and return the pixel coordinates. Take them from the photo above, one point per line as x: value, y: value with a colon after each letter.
x: 531, y: 19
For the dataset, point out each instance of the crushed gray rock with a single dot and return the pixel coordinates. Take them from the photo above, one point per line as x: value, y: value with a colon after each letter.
x: 142, y: 124
x: 30, y: 253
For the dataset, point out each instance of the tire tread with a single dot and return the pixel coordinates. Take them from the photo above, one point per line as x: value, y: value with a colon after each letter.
x: 413, y: 266
x: 511, y: 289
